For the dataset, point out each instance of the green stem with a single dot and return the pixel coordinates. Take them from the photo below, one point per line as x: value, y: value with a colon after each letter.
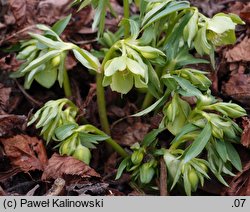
x: 117, y: 147
x: 66, y: 84
x: 147, y: 101
x: 102, y: 103
x: 126, y: 16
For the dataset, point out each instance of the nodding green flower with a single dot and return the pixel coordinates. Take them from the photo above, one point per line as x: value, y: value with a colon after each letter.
x: 52, y: 115
x: 130, y: 68
x: 121, y: 73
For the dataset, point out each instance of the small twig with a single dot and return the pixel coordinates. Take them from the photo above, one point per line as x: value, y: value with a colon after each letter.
x: 84, y: 42
x: 30, y: 98
x: 57, y: 188
x: 163, y: 178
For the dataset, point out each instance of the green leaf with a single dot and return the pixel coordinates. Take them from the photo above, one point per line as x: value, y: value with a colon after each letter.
x: 221, y: 150
x: 233, y: 156
x: 185, y: 130
x: 60, y: 25
x: 191, y: 29
x: 59, y: 45
x: 41, y: 60
x: 86, y: 59
x: 122, y: 167
x: 134, y: 27
x: 146, y: 173
x: 153, y: 106
x: 187, y: 88
x: 184, y: 58
x: 65, y: 131
x: 151, y: 137
x: 198, y: 144
x: 170, y: 8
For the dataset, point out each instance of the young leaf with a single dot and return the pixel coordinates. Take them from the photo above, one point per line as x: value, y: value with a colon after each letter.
x: 198, y: 144
x: 233, y: 156
x: 122, y: 167
x: 60, y: 25
x: 171, y: 7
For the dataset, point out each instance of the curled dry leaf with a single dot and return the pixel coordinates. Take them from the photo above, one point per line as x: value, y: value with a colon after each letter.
x: 240, y: 185
x: 11, y: 123
x: 245, y: 138
x: 27, y: 153
x: 58, y: 166
x: 239, y: 52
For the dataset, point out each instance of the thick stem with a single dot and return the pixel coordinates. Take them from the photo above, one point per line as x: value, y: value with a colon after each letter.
x: 117, y: 147
x: 101, y: 103
x: 66, y: 84
x: 126, y: 16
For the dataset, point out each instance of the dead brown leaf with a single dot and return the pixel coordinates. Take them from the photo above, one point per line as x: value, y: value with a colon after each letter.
x: 11, y: 123
x: 238, y: 88
x: 239, y: 52
x: 4, y: 98
x: 25, y: 152
x: 240, y: 185
x: 245, y: 138
x: 132, y: 134
x: 58, y: 166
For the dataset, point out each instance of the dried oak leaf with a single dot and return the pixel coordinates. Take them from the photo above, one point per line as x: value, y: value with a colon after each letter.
x: 27, y: 153
x: 245, y: 137
x: 11, y: 123
x: 240, y: 185
x: 59, y: 166
x: 239, y: 52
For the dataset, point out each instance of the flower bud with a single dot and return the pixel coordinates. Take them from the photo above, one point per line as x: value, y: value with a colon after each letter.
x: 193, y: 179
x: 56, y: 61
x: 146, y: 173
x: 137, y: 157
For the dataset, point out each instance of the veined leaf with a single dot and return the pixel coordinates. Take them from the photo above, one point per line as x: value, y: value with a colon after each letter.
x: 199, y: 144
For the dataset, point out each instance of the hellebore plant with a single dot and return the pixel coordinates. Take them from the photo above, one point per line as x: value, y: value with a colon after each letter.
x: 154, y: 51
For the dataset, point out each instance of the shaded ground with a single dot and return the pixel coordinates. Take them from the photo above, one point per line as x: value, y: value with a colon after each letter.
x: 27, y: 167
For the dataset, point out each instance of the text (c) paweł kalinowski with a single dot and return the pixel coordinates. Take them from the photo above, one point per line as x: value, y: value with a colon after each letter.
x: 61, y: 203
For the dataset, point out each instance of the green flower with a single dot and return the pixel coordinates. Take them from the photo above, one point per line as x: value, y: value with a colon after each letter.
x: 121, y: 73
